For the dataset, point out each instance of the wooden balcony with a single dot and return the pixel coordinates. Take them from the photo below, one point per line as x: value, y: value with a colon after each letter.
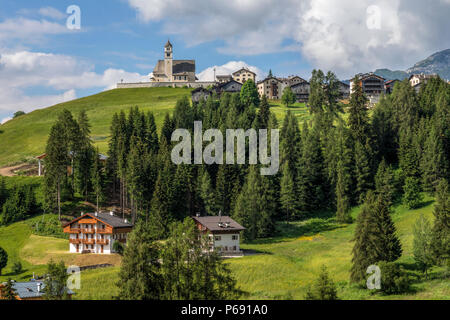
x: 74, y: 230
x: 102, y: 231
x: 88, y: 241
x: 75, y: 241
x: 102, y: 241
x: 92, y: 230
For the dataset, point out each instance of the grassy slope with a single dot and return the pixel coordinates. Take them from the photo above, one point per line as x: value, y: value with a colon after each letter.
x: 26, y: 136
x: 282, y: 269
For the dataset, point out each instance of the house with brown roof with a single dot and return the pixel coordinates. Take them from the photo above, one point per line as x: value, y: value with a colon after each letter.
x: 96, y: 232
x: 223, y: 232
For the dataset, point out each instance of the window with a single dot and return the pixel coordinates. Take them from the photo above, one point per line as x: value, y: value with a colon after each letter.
x: 217, y: 238
x: 235, y: 237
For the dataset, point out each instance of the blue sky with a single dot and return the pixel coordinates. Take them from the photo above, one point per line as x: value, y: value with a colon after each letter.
x: 42, y: 62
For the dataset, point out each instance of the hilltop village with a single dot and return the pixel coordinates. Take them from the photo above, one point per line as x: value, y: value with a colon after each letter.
x: 181, y: 73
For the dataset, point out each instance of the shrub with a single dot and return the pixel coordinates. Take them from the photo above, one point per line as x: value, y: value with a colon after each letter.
x: 20, y: 204
x: 118, y: 247
x: 394, y: 280
x: 412, y: 196
x: 323, y: 289
x: 17, y: 267
x: 3, y: 259
x: 47, y: 225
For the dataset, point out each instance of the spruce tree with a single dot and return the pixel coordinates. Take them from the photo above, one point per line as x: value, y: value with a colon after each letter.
x: 249, y: 94
x: 316, y: 98
x: 412, y: 196
x: 207, y: 194
x: 287, y: 193
x: 97, y: 177
x: 287, y: 97
x: 56, y: 163
x: 440, y: 242
x: 140, y: 276
x: 8, y: 292
x: 323, y: 289
x: 3, y: 259
x: 264, y: 113
x: 358, y: 119
x: 422, y: 249
x: 363, y: 169
x: 385, y: 182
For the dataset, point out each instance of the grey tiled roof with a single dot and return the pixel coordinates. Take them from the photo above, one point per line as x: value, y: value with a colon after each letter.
x: 107, y: 218
x: 219, y: 223
x: 30, y: 289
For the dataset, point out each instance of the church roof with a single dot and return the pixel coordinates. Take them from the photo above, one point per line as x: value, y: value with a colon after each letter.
x: 179, y: 67
x: 168, y: 44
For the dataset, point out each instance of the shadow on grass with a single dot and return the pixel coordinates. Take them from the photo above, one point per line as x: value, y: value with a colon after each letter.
x: 252, y: 252
x: 286, y: 231
x: 424, y: 204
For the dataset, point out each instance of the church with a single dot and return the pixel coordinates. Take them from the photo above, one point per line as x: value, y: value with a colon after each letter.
x: 169, y: 70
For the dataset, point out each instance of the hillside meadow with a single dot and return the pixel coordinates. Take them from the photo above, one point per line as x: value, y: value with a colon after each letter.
x: 25, y: 137
x: 280, y: 267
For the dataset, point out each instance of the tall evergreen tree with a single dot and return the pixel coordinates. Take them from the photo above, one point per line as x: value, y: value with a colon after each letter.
x: 363, y: 170
x: 249, y: 94
x: 287, y: 193
x: 422, y: 249
x: 440, y: 241
x: 358, y: 119
x: 56, y: 162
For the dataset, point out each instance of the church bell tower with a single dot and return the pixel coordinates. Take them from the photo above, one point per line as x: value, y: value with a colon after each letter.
x: 168, y: 59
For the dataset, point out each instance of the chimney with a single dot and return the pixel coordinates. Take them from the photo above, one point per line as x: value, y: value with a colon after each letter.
x: 96, y: 213
x: 197, y: 214
x: 81, y: 213
x: 39, y: 287
x: 111, y: 213
x: 125, y: 220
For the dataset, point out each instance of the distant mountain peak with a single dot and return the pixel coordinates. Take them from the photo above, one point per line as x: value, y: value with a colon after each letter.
x: 438, y: 62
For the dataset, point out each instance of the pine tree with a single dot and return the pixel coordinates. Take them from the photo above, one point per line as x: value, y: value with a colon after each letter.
x: 407, y: 154
x: 440, y: 242
x: 97, y: 181
x: 375, y: 237
x: 207, y: 194
x: 56, y: 162
x: 363, y: 170
x: 412, y: 196
x: 270, y: 74
x: 287, y: 97
x: 316, y: 98
x: 324, y: 288
x: 83, y: 159
x: 3, y: 259
x: 152, y: 134
x: 55, y: 281
x: 358, y: 119
x: 385, y: 182
x: 249, y: 94
x: 287, y: 193
x: 422, y: 249
x: 140, y: 276
x: 264, y: 113
x: 8, y: 292
x: 342, y: 199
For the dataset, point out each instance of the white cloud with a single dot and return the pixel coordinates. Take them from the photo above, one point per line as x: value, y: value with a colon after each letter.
x: 29, y: 30
x: 331, y: 34
x: 24, y: 70
x: 4, y: 120
x: 51, y: 12
x: 228, y: 68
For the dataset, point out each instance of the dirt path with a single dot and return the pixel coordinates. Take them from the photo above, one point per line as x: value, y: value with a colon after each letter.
x: 9, y: 171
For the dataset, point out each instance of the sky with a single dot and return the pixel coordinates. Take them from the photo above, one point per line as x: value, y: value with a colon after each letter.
x: 45, y: 59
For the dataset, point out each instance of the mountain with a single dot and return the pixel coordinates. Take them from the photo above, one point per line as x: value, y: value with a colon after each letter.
x: 438, y: 62
x: 389, y: 74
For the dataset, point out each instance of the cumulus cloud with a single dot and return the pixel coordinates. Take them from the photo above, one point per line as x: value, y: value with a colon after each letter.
x: 228, y: 68
x: 336, y: 35
x: 52, y: 13
x: 23, y: 70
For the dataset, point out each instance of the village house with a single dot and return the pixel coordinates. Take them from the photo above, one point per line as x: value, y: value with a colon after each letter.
x: 230, y: 86
x: 96, y: 232
x: 372, y: 86
x: 272, y: 87
x: 301, y: 91
x: 344, y: 90
x: 30, y: 290
x: 169, y: 70
x: 417, y: 80
x: 389, y: 85
x: 199, y: 94
x: 223, y: 232
x: 224, y: 78
x: 243, y: 75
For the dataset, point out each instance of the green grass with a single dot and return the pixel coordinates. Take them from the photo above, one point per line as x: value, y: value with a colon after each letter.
x: 26, y: 136
x: 286, y: 265
x: 282, y: 267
